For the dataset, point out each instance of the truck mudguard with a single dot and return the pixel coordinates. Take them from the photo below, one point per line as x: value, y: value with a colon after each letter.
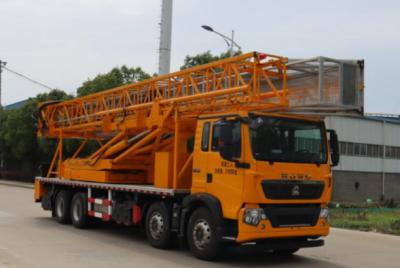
x: 193, y: 201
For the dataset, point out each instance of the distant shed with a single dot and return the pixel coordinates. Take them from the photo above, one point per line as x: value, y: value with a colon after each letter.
x: 370, y: 157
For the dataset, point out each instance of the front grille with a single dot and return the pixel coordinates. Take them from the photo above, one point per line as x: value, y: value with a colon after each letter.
x: 292, y: 215
x: 292, y: 189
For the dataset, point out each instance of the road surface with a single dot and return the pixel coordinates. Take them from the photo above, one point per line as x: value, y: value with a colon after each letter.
x: 30, y: 238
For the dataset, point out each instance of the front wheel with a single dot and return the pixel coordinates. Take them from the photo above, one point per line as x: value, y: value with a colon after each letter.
x: 202, y: 236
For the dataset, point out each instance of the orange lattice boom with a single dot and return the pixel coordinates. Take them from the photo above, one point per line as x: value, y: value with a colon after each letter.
x: 218, y: 86
x: 133, y: 122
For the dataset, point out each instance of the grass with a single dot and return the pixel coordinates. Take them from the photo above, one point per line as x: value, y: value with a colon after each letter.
x: 382, y: 220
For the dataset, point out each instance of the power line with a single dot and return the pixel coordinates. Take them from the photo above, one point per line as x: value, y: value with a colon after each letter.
x: 28, y: 78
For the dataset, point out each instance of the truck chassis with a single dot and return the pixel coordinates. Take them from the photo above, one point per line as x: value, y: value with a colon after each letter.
x: 165, y: 214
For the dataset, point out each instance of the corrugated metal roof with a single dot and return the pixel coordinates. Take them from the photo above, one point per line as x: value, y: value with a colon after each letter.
x: 390, y: 118
x: 15, y: 105
x: 377, y: 118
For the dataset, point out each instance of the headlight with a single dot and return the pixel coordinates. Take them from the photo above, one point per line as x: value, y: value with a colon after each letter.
x: 324, y: 213
x: 253, y: 216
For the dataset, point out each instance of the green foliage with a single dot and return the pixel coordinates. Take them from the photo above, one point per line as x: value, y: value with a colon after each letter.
x: 18, y: 134
x: 53, y: 95
x: 205, y: 57
x: 384, y: 220
x: 18, y: 129
x: 116, y: 77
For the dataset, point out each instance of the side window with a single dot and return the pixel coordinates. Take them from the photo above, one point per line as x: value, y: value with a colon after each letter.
x: 205, y: 136
x: 215, y: 138
x: 236, y: 139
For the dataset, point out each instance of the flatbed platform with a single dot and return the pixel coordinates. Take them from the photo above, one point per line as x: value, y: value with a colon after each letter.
x: 139, y: 188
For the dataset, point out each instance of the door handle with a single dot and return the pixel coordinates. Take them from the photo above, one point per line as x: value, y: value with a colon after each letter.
x: 209, y: 177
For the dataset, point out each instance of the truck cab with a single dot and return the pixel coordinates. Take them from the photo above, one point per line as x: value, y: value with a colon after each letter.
x: 271, y: 174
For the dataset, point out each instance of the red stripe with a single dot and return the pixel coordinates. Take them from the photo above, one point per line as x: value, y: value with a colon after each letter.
x: 107, y: 202
x: 91, y: 213
x: 91, y: 200
x: 106, y: 217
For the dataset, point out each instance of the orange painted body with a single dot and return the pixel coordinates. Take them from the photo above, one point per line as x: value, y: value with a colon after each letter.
x: 238, y: 188
x: 145, y: 131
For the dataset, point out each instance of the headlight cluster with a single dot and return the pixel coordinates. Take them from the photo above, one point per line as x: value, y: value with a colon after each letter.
x: 324, y: 214
x: 253, y: 216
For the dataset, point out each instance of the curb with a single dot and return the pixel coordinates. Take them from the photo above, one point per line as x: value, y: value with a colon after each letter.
x: 26, y: 185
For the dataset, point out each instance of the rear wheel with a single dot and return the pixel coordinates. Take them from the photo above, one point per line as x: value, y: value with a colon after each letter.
x: 158, y: 229
x: 62, y: 207
x: 202, y: 236
x: 79, y: 211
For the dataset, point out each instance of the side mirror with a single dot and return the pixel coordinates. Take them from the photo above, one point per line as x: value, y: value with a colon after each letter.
x: 225, y: 140
x: 334, y: 147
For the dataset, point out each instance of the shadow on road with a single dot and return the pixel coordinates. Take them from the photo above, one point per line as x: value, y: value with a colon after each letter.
x: 247, y: 257
x: 134, y: 238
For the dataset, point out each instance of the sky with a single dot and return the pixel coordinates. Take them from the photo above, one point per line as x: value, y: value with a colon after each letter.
x: 62, y: 43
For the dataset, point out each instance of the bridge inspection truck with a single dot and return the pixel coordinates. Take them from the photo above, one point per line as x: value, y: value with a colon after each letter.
x: 207, y: 156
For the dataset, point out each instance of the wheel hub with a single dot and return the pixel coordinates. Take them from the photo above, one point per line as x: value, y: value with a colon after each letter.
x: 156, y: 225
x: 77, y: 211
x: 60, y: 207
x: 201, y: 234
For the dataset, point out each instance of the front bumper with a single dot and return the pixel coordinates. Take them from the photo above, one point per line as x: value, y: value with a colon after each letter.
x: 264, y: 230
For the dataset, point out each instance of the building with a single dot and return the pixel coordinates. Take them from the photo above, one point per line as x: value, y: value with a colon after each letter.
x: 15, y: 105
x: 370, y: 158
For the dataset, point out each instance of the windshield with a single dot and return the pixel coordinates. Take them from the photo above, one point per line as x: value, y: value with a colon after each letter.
x: 287, y: 140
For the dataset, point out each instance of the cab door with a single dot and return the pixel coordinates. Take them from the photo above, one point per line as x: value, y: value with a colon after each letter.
x: 201, y: 154
x: 223, y: 179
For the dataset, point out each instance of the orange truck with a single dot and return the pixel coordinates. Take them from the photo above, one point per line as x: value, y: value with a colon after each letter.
x: 207, y: 156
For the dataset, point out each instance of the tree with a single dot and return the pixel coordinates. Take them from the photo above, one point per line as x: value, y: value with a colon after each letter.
x: 205, y: 57
x: 116, y: 77
x: 18, y: 131
x: 55, y: 94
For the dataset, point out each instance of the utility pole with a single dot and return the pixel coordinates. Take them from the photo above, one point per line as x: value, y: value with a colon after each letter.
x: 2, y: 64
x: 231, y: 52
x: 165, y: 37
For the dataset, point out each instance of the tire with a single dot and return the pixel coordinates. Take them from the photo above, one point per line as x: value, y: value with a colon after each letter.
x: 285, y: 252
x: 202, y: 235
x: 79, y: 211
x: 157, y: 226
x: 62, y: 207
